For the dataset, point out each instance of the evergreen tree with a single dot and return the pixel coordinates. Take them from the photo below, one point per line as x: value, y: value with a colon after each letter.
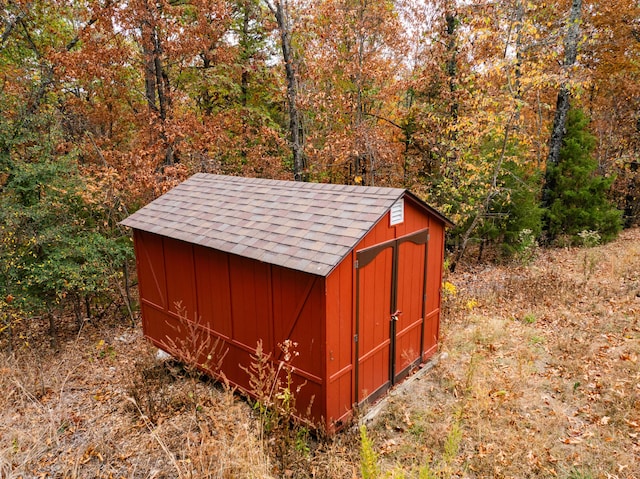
x: 577, y: 194
x: 520, y: 216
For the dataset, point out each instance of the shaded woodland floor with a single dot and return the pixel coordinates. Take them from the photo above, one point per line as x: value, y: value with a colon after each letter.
x: 538, y: 376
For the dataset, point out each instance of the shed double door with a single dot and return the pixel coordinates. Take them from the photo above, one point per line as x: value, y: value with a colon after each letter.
x: 390, y: 297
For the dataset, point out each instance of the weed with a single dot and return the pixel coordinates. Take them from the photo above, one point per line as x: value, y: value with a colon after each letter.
x: 489, y: 333
x: 449, y: 289
x: 589, y: 263
x: 105, y: 350
x: 425, y: 472
x: 63, y: 414
x: 275, y: 401
x: 529, y: 318
x: 369, y: 467
x: 471, y: 304
x: 417, y: 427
x: 195, y: 346
x: 442, y: 468
x: 302, y: 441
x: 452, y: 443
x: 535, y: 339
x: 447, y: 264
x: 161, y: 443
x: 146, y: 386
x: 589, y: 238
x: 527, y: 247
x: 579, y: 474
x: 198, y: 349
x: 9, y: 318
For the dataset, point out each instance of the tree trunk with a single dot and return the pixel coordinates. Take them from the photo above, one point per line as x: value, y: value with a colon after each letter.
x: 9, y: 25
x: 127, y: 293
x: 244, y: 78
x: 77, y: 311
x: 162, y: 79
x: 149, y: 64
x: 87, y: 306
x: 518, y: 20
x: 284, y: 25
x: 485, y: 205
x: 53, y: 333
x: 564, y: 96
x: 451, y: 21
x: 156, y: 80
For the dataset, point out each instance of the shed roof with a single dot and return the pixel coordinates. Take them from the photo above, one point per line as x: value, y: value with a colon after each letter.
x: 308, y: 227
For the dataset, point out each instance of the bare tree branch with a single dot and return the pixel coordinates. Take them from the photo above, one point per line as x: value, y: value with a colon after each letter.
x: 9, y: 25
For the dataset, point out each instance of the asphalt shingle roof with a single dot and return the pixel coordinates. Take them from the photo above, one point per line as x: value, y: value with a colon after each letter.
x: 308, y: 227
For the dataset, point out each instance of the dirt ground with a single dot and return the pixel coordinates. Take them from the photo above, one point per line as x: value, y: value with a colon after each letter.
x: 538, y: 376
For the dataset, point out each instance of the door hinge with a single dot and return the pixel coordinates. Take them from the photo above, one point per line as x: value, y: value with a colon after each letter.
x: 355, y: 338
x: 355, y: 264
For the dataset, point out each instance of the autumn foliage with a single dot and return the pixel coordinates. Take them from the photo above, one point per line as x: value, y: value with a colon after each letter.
x: 107, y: 103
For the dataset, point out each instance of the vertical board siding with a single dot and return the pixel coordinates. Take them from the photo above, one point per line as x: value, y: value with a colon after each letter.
x: 339, y: 358
x: 291, y: 294
x: 411, y: 266
x: 239, y: 301
x: 165, y: 330
x: 374, y: 314
x: 374, y: 308
x: 434, y: 281
x: 213, y: 290
x: 298, y: 315
x: 298, y: 306
x: 151, y: 272
x: 178, y: 260
x: 250, y: 303
x: 414, y: 218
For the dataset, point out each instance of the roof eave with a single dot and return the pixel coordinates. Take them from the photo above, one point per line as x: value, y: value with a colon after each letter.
x: 421, y: 203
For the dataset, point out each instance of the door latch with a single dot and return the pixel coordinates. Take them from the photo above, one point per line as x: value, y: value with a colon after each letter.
x: 394, y: 316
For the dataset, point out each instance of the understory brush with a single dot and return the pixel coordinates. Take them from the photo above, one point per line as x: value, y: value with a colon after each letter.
x: 537, y: 376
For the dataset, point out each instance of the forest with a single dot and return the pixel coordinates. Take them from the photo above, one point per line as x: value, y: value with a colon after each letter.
x: 518, y: 120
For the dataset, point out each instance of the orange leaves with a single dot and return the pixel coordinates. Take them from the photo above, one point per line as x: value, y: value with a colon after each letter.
x: 390, y: 92
x: 352, y: 55
x: 89, y: 454
x: 631, y: 356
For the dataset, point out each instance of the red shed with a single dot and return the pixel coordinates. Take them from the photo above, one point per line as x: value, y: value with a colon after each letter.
x: 327, y: 266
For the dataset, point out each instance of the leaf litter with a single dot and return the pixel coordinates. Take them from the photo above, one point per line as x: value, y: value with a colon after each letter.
x: 538, y: 377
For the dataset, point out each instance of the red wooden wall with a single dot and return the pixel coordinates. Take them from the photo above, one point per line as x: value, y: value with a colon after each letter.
x: 237, y: 300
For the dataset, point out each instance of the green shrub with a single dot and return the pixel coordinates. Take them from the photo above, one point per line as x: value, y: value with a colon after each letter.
x: 57, y: 243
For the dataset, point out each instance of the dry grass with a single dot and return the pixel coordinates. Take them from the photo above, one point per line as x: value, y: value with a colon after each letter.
x: 543, y: 363
x: 76, y: 415
x: 540, y: 379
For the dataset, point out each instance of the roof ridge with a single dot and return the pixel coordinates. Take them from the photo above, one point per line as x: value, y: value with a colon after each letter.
x: 288, y: 184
